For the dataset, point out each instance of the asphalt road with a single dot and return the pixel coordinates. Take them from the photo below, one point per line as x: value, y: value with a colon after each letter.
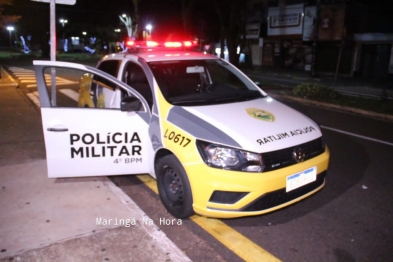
x: 349, y: 220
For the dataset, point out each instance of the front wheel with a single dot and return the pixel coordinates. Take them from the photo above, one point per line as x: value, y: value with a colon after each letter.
x: 173, y: 187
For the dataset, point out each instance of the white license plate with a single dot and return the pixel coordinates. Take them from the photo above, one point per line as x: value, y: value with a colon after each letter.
x: 301, y: 179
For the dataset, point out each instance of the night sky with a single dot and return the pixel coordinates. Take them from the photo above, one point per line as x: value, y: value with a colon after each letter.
x: 91, y: 15
x: 106, y: 12
x: 164, y: 15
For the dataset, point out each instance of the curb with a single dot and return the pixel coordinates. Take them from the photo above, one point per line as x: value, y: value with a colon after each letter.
x: 337, y: 107
x: 157, y: 235
x: 11, y: 80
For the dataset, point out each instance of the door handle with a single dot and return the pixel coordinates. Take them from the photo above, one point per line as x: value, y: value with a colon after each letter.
x: 57, y: 129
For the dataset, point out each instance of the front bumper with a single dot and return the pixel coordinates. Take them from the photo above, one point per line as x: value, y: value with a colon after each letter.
x: 249, y: 194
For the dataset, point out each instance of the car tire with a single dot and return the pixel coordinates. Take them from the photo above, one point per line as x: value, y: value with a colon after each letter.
x: 173, y: 187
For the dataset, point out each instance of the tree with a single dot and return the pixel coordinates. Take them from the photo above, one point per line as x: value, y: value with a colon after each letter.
x: 7, y: 19
x: 127, y: 21
x: 232, y: 17
x: 187, y: 7
x: 132, y: 27
x: 136, y: 9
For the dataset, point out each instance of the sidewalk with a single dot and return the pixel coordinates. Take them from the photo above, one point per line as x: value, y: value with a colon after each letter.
x: 74, y: 219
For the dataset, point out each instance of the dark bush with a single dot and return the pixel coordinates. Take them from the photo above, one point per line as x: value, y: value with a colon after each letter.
x: 315, y: 91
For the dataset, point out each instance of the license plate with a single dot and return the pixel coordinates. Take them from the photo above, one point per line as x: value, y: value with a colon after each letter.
x: 301, y: 179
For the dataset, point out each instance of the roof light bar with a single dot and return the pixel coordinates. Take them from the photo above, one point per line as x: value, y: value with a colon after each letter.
x: 173, y: 44
x: 153, y: 44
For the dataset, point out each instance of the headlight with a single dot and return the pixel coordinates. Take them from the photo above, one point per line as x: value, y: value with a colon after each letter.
x: 229, y: 158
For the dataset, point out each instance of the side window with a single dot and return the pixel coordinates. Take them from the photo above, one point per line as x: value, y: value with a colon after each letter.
x: 135, y: 77
x: 77, y: 88
x: 110, y: 67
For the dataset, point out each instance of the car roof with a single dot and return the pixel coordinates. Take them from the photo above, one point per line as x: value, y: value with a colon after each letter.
x: 162, y: 55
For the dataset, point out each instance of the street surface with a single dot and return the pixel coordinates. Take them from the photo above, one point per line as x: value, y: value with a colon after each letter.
x: 349, y: 220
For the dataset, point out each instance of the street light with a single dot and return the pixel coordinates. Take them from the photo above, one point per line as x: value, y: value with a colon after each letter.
x: 10, y: 28
x: 63, y: 21
x: 117, y: 33
x: 149, y: 27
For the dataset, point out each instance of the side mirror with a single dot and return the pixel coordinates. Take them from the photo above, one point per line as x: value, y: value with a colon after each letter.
x: 258, y: 84
x: 131, y: 104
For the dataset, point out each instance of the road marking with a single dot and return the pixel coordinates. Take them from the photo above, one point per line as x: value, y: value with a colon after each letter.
x: 9, y: 84
x: 229, y: 237
x: 27, y: 77
x: 359, y: 136
x: 34, y: 97
x: 70, y: 93
x: 149, y: 182
x: 232, y: 239
x: 27, y: 80
x: 7, y: 75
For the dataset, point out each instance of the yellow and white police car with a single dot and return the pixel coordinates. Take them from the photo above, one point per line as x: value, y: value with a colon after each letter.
x: 216, y: 143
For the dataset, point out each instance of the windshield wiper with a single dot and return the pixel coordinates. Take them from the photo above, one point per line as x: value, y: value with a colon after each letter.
x: 198, y: 101
x: 219, y: 99
x: 235, y: 98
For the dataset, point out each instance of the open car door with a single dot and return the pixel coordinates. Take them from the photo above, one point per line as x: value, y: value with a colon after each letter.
x: 93, y: 124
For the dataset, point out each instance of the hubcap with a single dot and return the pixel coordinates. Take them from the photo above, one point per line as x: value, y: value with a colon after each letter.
x: 173, y: 186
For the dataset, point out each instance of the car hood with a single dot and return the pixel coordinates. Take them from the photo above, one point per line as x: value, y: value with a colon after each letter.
x: 260, y: 125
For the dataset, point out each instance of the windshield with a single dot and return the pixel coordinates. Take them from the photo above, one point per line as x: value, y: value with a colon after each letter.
x: 202, y: 82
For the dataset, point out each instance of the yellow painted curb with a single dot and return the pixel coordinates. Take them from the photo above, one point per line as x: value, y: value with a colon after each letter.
x: 232, y: 239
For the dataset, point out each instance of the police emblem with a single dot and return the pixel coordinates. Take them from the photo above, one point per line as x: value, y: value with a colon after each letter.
x: 260, y: 114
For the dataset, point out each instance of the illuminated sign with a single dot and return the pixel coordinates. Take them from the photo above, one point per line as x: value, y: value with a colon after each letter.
x: 286, y: 20
x: 252, y: 31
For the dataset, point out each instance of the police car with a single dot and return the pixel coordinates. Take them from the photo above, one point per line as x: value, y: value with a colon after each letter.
x: 216, y: 143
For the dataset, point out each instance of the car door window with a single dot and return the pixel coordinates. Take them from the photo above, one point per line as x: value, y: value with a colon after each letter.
x: 77, y: 88
x: 135, y: 77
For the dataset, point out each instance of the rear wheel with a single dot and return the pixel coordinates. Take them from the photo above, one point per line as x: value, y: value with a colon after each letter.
x: 173, y: 187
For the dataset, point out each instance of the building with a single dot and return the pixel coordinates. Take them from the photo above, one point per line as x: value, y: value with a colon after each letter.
x: 328, y: 36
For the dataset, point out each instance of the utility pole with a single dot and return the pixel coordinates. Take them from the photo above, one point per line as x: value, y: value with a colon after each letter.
x: 52, y: 23
x: 343, y: 37
x: 10, y: 29
x: 315, y: 42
